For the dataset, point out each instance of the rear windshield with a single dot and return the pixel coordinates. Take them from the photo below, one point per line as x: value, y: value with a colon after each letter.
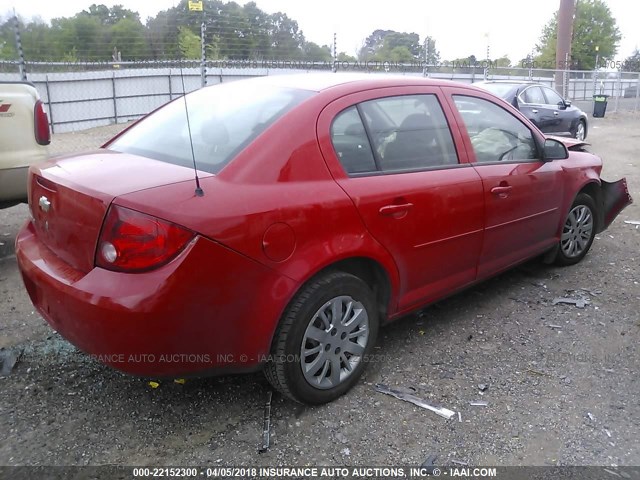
x: 502, y: 90
x: 224, y: 119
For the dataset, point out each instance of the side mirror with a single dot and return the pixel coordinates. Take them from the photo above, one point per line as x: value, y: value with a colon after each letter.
x: 567, y: 103
x: 554, y: 150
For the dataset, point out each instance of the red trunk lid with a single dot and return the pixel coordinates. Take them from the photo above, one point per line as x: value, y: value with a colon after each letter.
x: 69, y: 197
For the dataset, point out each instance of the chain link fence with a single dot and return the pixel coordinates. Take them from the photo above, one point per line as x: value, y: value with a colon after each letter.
x: 84, y: 95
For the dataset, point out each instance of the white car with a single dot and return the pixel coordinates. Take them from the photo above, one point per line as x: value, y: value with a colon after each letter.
x: 24, y: 136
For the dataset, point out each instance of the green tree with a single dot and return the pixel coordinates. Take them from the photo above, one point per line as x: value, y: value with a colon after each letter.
x: 593, y: 26
x: 128, y: 35
x: 190, y: 46
x: 503, y: 61
x: 389, y: 45
x: 344, y: 57
x: 632, y: 63
x: 316, y: 53
x: 433, y: 55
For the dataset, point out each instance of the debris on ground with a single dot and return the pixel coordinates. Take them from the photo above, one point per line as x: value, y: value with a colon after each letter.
x: 8, y: 360
x: 593, y: 293
x: 478, y: 403
x: 578, y: 302
x: 459, y: 417
x: 483, y: 387
x: 557, y: 327
x: 180, y: 381
x: 407, y: 397
x: 591, y: 417
x: 153, y: 384
x: 429, y: 464
x: 633, y: 222
x: 537, y: 372
x: 460, y: 462
x: 266, y: 426
x: 346, y: 451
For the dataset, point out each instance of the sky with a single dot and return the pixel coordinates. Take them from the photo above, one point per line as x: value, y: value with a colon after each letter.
x: 460, y: 27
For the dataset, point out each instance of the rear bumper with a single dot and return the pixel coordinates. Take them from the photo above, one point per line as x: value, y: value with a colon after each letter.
x: 210, y: 310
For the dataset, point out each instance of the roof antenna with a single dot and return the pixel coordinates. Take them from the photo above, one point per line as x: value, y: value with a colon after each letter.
x: 199, y: 192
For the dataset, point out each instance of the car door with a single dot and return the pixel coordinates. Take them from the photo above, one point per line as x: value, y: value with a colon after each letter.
x: 522, y: 193
x: 393, y: 153
x: 533, y: 104
x: 564, y: 116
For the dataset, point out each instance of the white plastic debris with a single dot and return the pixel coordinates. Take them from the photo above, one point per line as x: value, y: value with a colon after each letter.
x: 443, y: 412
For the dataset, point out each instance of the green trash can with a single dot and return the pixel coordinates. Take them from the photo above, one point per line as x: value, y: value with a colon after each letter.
x: 599, y: 105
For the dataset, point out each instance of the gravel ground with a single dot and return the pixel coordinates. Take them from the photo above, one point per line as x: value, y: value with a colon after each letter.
x: 562, y: 381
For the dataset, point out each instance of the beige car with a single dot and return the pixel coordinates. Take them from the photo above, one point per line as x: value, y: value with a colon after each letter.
x: 24, y: 136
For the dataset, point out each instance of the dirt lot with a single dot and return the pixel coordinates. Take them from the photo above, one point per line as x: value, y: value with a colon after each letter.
x: 562, y: 381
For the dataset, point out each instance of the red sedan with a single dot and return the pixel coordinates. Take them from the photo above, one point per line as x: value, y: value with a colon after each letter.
x: 276, y: 223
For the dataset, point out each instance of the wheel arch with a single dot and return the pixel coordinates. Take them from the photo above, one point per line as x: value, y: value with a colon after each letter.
x: 369, y: 270
x: 594, y: 191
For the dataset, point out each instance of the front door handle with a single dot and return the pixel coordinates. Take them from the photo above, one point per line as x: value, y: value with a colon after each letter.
x: 395, y: 210
x: 502, y: 191
x: 556, y: 113
x: 534, y: 110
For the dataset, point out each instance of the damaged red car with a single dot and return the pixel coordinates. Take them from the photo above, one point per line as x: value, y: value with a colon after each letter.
x: 276, y: 223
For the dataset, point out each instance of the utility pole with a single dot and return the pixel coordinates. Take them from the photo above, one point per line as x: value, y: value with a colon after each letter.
x: 563, y: 45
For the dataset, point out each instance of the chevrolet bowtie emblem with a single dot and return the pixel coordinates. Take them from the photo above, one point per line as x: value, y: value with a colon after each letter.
x: 44, y: 203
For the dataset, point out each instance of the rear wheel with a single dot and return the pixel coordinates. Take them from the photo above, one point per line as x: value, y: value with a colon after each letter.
x: 321, y: 344
x: 578, y: 231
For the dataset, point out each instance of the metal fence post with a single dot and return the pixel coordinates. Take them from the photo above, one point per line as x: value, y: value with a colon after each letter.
x: 115, y: 99
x: 619, y: 82
x: 203, y: 60
x: 635, y: 108
x: 170, y: 87
x: 21, y: 63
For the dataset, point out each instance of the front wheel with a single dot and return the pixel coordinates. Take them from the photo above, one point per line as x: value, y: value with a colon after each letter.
x: 580, y: 132
x: 578, y: 231
x: 321, y: 345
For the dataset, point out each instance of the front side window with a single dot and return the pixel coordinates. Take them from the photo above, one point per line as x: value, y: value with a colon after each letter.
x: 409, y: 132
x: 496, y: 135
x: 553, y: 98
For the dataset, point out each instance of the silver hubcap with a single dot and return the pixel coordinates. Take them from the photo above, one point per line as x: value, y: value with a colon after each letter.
x: 580, y: 131
x: 334, y: 342
x: 577, y: 231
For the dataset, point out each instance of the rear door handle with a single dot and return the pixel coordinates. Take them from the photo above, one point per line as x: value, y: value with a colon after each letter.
x: 501, y: 191
x: 556, y: 113
x: 534, y: 110
x: 397, y: 210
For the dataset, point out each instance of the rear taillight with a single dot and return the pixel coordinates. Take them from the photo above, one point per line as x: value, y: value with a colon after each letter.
x: 41, y: 124
x: 131, y: 241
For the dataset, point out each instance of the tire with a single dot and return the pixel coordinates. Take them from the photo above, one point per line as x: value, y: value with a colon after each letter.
x: 580, y: 132
x: 308, y: 340
x: 578, y: 231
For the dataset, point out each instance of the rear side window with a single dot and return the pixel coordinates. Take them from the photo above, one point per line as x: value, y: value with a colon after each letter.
x: 393, y: 134
x: 224, y: 119
x: 351, y: 143
x: 496, y: 135
x: 534, y: 95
